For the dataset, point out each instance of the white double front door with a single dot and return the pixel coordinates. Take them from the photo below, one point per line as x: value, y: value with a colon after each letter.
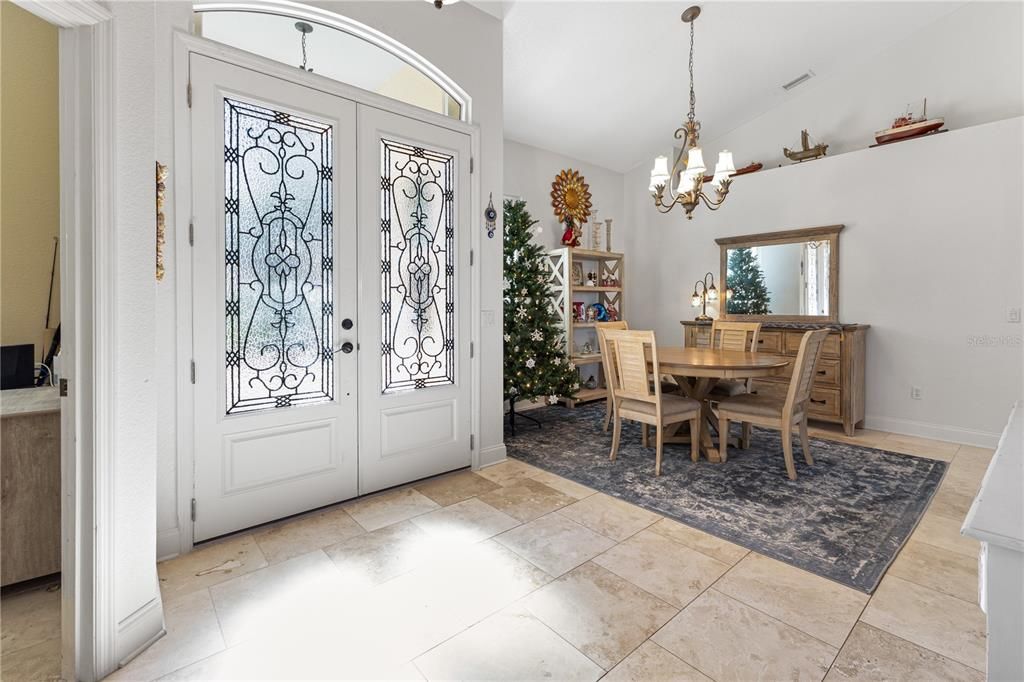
x: 331, y: 298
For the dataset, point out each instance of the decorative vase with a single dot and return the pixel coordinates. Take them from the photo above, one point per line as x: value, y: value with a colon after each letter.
x: 595, y: 236
x: 608, y: 234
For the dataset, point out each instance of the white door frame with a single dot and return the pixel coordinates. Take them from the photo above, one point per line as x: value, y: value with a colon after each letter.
x: 88, y: 344
x: 184, y: 44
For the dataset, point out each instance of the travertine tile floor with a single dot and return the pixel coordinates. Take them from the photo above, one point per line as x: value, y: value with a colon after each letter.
x: 514, y: 573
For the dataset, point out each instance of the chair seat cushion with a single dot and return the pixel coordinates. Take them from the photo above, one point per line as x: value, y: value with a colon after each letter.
x: 753, y: 405
x: 671, y: 406
x: 729, y: 387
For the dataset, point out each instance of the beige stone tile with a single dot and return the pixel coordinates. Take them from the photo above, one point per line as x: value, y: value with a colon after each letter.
x: 193, y: 633
x: 209, y: 565
x: 951, y: 504
x: 868, y: 438
x: 940, y: 569
x: 382, y: 554
x: 610, y: 517
x: 527, y: 499
x: 455, y: 487
x: 303, y: 535
x: 727, y: 640
x: 29, y: 618
x: 944, y: 532
x: 528, y: 650
x: 946, y: 625
x: 389, y: 507
x: 554, y: 543
x: 815, y: 605
x: 563, y: 485
x: 666, y: 569
x: 873, y: 654
x: 305, y: 592
x: 705, y: 543
x: 464, y: 522
x: 651, y: 662
x: 599, y: 613
x: 922, y: 447
x: 406, y: 617
x: 964, y: 479
x: 507, y: 472
x: 974, y: 457
x: 40, y: 661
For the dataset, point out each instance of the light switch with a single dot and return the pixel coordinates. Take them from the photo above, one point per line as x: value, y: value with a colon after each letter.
x: 487, y: 318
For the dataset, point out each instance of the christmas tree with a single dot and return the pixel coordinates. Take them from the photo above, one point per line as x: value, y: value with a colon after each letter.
x: 750, y: 296
x: 536, y: 365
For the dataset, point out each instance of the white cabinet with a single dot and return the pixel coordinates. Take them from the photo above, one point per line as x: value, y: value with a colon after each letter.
x: 997, y: 519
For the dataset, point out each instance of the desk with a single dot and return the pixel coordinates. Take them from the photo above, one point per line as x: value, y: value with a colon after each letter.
x: 30, y: 483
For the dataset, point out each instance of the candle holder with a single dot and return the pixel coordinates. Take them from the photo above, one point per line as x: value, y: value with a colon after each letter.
x: 608, y: 234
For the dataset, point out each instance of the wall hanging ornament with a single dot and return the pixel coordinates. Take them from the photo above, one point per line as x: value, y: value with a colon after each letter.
x: 161, y: 224
x: 570, y: 197
x: 491, y: 216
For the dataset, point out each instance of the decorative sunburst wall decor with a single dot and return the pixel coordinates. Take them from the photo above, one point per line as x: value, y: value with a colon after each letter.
x: 570, y: 197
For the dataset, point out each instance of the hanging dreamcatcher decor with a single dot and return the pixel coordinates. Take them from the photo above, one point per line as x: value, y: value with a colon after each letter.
x: 570, y: 197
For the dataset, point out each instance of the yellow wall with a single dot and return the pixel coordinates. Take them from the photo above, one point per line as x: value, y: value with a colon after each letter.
x: 29, y: 176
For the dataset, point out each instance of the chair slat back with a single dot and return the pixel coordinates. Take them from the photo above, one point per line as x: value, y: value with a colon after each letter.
x: 803, y: 370
x: 629, y: 348
x: 608, y: 362
x: 727, y: 335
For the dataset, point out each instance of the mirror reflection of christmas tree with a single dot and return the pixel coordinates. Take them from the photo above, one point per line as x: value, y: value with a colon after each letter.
x: 536, y: 365
x: 750, y: 295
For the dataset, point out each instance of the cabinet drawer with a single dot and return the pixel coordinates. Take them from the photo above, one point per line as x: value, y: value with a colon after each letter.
x: 827, y: 373
x: 831, y: 346
x: 769, y: 341
x: 825, y: 402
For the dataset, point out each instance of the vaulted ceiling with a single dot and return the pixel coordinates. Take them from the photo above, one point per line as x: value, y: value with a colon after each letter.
x: 607, y: 83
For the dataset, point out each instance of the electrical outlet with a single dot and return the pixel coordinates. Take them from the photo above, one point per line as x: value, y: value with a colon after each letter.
x: 1013, y: 315
x: 915, y: 392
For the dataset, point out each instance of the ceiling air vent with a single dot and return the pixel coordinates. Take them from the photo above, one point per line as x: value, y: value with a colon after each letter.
x: 802, y: 78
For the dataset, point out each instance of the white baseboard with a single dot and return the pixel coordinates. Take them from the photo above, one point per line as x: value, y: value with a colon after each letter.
x: 492, y: 455
x: 168, y: 544
x: 139, y: 630
x: 952, y: 434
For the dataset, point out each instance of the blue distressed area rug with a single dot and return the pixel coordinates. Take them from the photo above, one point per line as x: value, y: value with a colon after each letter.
x: 845, y: 518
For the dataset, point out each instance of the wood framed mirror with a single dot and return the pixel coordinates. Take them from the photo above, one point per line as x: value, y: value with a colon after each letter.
x: 788, y: 276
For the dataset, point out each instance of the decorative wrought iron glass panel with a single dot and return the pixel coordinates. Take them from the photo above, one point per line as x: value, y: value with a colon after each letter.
x: 417, y: 267
x: 278, y: 220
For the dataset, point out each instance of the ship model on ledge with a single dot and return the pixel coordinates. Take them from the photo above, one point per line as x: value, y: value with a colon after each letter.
x: 806, y: 151
x: 906, y: 127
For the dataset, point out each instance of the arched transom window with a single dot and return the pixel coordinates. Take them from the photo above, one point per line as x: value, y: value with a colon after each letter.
x: 337, y: 47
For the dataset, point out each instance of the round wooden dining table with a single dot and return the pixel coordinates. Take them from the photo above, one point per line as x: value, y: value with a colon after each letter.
x: 697, y: 370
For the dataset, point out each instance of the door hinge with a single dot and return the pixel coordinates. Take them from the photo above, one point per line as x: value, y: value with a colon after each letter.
x: 192, y: 372
x: 191, y: 233
x: 471, y: 258
x: 471, y: 349
x: 471, y: 164
x: 472, y: 440
x: 63, y: 383
x: 192, y: 510
x: 188, y: 94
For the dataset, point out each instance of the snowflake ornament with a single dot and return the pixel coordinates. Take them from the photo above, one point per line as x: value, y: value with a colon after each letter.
x: 531, y: 363
x: 552, y: 399
x: 536, y: 335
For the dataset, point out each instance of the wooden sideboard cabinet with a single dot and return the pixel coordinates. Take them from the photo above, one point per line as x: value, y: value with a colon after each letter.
x: 838, y: 393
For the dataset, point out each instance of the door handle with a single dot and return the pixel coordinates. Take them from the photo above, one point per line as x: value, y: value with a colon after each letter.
x: 347, y: 347
x: 346, y: 323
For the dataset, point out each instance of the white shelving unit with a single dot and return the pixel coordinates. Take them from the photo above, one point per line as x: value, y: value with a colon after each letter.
x: 605, y: 264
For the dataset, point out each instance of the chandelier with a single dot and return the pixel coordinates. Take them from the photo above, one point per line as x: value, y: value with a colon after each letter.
x: 690, y: 190
x: 441, y: 3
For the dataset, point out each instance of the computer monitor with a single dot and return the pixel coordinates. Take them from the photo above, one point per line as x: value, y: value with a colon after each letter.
x: 17, y: 366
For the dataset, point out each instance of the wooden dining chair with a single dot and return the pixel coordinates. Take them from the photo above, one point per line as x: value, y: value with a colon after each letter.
x: 742, y: 336
x: 778, y: 413
x: 608, y: 365
x: 640, y: 399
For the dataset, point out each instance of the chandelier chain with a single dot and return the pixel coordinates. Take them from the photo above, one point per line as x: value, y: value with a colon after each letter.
x: 693, y: 95
x: 304, y: 56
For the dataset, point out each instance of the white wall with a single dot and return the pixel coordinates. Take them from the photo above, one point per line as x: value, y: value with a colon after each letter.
x: 446, y: 39
x: 930, y: 258
x: 968, y: 64
x: 529, y: 172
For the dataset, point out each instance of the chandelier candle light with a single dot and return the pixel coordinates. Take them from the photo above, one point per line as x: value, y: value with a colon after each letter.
x: 690, y: 191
